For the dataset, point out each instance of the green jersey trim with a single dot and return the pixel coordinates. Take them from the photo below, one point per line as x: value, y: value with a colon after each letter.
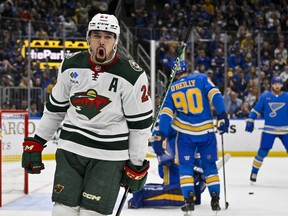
x: 140, y: 124
x: 81, y: 139
x: 77, y: 60
x: 123, y: 68
x: 125, y: 135
x: 55, y: 106
x: 139, y: 115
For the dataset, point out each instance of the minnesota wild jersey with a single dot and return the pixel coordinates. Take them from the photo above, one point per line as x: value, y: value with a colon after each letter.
x: 105, y: 109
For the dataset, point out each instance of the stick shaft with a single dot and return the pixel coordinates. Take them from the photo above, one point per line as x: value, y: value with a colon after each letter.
x: 119, y: 210
x: 277, y: 129
x: 224, y: 172
x: 172, y: 75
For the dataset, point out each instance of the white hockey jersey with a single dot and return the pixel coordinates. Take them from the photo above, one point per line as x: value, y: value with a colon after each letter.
x: 105, y: 109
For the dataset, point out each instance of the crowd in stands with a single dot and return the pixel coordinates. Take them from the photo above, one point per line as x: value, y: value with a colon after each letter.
x: 243, y: 25
x: 48, y: 20
x: 255, y: 32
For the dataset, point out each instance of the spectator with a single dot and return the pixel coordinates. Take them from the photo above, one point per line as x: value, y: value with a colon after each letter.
x: 249, y: 61
x: 23, y: 105
x: 252, y: 96
x: 36, y: 69
x: 236, y: 59
x: 45, y: 80
x: 33, y: 112
x: 25, y: 83
x: 233, y: 103
x: 6, y: 105
x: 284, y: 74
x: 243, y: 111
x: 265, y: 86
x: 247, y: 44
x: 7, y: 81
x: 280, y: 61
x: 241, y: 85
x: 202, y: 58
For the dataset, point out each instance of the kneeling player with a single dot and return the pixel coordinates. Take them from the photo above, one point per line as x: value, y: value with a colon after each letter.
x: 169, y: 193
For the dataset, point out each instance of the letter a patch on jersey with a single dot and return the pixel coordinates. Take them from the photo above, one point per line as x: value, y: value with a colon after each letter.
x: 89, y: 103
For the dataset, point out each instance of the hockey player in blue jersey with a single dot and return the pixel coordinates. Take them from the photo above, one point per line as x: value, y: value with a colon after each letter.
x: 273, y: 107
x: 187, y: 109
x: 169, y: 192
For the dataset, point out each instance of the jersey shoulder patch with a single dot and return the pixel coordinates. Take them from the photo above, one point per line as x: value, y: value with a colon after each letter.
x: 134, y: 65
x: 127, y: 69
x: 76, y: 60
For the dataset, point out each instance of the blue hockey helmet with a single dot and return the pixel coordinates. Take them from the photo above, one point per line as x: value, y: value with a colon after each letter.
x: 276, y: 79
x: 182, y: 67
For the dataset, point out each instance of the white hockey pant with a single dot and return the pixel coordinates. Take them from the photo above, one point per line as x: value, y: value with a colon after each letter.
x: 60, y: 210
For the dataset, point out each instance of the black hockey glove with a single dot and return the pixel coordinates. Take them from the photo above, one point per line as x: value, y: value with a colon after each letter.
x: 135, y: 177
x: 32, y: 155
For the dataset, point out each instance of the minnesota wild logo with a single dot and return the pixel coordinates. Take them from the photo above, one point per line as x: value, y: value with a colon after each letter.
x: 89, y: 103
x: 58, y: 188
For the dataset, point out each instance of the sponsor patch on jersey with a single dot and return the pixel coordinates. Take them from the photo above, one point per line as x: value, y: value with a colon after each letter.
x: 74, y: 75
x: 134, y: 65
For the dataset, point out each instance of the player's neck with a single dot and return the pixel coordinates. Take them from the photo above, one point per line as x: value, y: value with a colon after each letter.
x: 277, y: 92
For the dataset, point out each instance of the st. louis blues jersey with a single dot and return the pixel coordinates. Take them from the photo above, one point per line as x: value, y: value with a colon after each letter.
x: 105, y: 109
x: 188, y: 106
x: 274, y: 109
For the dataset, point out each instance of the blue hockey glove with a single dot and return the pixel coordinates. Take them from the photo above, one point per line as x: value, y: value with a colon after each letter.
x: 167, y: 159
x: 223, y: 123
x: 249, y: 125
x: 157, y: 144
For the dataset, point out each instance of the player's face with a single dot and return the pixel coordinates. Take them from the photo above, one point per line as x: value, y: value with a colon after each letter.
x: 276, y: 87
x: 101, y: 45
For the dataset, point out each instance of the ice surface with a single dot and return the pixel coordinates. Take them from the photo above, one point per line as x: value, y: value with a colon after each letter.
x: 269, y: 196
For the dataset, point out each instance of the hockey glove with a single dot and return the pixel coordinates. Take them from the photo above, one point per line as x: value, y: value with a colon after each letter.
x: 167, y: 159
x: 249, y: 125
x: 157, y: 144
x: 32, y: 155
x: 135, y: 177
x: 222, y: 123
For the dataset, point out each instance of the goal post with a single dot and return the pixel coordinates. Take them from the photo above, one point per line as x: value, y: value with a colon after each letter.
x: 13, y: 129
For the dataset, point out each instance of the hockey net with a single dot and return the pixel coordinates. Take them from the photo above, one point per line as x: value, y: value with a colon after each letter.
x: 13, y: 178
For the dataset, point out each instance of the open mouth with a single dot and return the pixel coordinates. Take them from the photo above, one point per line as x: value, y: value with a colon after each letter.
x: 101, y: 53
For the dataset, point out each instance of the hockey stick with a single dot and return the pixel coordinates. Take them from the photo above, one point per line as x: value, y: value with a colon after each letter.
x: 224, y: 174
x: 122, y: 201
x: 219, y: 163
x: 172, y: 74
x: 276, y: 129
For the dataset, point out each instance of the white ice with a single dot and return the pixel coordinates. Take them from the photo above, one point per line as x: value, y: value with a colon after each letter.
x: 270, y: 192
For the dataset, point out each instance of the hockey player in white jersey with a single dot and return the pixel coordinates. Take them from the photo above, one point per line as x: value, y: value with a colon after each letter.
x: 102, y: 99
